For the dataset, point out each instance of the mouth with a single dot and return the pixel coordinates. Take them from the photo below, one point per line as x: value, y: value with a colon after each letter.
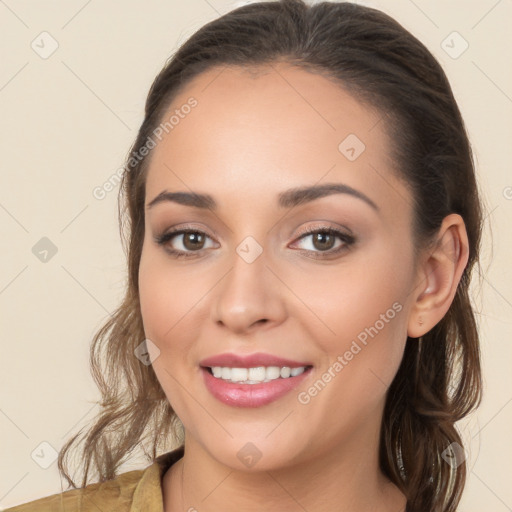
x: 255, y: 375
x: 254, y: 386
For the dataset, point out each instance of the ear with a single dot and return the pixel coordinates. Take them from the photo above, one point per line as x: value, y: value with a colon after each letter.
x: 438, y: 276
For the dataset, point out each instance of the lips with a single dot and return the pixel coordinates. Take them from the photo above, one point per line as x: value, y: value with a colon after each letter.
x: 238, y: 394
x: 250, y: 361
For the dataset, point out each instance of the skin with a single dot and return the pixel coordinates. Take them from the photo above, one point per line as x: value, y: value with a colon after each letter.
x: 251, y: 136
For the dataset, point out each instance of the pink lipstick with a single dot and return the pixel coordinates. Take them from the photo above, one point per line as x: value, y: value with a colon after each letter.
x: 252, y: 380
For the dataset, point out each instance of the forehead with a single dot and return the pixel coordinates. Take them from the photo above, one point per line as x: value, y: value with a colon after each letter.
x: 269, y: 127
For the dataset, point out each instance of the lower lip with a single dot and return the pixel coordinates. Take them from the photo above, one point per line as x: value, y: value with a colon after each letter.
x: 251, y: 395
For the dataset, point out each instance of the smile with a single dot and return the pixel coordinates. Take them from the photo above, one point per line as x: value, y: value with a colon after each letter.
x: 255, y: 375
x: 252, y: 380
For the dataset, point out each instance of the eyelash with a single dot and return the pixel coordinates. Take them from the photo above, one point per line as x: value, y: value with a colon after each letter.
x: 347, y: 239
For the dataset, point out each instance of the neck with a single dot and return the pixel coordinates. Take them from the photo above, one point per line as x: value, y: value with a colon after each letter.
x: 346, y: 477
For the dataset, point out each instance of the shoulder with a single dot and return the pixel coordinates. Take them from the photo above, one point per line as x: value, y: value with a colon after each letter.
x: 132, y: 491
x: 112, y: 495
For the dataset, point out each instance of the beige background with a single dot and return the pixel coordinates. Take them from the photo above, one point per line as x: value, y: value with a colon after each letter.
x: 67, y: 122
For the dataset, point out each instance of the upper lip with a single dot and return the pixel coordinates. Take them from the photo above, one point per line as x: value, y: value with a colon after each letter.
x: 250, y: 361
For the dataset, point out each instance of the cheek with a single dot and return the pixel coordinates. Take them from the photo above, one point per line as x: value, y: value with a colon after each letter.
x: 162, y: 300
x: 165, y: 299
x: 364, y: 321
x: 166, y: 294
x: 364, y: 357
x: 353, y: 296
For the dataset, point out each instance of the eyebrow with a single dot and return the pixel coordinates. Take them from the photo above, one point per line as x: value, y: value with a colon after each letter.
x: 287, y: 199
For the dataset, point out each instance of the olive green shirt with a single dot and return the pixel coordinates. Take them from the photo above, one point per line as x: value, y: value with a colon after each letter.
x: 133, y: 491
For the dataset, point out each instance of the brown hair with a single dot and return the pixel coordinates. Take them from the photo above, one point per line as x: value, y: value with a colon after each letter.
x: 373, y: 57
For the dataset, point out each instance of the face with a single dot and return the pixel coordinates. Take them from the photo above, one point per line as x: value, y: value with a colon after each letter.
x: 248, y: 279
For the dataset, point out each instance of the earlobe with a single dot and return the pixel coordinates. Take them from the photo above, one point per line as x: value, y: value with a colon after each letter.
x: 439, y: 276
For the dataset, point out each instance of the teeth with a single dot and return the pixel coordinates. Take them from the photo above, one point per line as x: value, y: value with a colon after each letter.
x: 273, y: 372
x: 255, y: 375
x: 285, y: 372
x: 297, y: 371
x: 238, y: 374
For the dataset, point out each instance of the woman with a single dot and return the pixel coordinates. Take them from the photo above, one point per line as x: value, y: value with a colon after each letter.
x: 303, y: 220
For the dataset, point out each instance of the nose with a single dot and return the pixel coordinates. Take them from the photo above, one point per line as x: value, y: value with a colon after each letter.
x: 249, y: 295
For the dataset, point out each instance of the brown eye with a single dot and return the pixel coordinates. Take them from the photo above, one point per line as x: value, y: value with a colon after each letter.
x: 193, y: 240
x: 183, y: 242
x: 323, y: 241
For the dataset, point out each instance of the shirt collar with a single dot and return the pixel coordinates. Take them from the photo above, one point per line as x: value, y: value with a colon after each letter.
x: 148, y: 496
